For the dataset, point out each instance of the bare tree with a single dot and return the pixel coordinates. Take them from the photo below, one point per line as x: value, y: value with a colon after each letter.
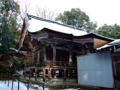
x: 46, y: 14
x: 24, y: 8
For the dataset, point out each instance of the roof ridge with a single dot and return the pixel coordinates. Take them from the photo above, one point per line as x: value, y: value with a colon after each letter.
x: 101, y: 35
x: 50, y: 21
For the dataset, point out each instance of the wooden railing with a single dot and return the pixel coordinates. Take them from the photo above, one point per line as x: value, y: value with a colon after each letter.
x: 59, y: 63
x: 51, y: 63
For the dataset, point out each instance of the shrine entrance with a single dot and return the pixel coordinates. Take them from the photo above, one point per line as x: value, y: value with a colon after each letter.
x: 57, y: 73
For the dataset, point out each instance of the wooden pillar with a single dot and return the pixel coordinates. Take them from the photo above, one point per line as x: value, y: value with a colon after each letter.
x: 36, y: 73
x: 38, y: 57
x: 64, y: 74
x: 18, y: 84
x: 29, y: 74
x: 33, y: 58
x: 54, y: 54
x: 8, y: 82
x: 44, y: 74
x: 28, y: 85
x: 45, y: 59
x: 12, y: 85
x: 49, y: 72
x: 8, y: 76
x: 44, y: 54
x: 70, y: 57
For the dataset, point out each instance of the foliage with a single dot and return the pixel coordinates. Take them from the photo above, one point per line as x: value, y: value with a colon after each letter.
x: 112, y: 31
x: 9, y: 10
x: 76, y: 18
x: 21, y: 60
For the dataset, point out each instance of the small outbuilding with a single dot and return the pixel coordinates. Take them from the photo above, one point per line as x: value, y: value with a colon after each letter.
x: 95, y: 68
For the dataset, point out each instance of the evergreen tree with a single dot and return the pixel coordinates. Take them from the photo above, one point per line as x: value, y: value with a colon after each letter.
x: 76, y: 18
x: 112, y: 31
x: 9, y: 10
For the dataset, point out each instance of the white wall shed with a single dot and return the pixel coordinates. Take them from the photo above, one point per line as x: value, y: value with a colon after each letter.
x: 95, y: 70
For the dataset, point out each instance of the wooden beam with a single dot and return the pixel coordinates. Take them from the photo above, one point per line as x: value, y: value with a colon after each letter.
x: 67, y: 49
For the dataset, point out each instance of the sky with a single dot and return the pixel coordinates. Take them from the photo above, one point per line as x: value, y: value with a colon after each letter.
x: 100, y: 11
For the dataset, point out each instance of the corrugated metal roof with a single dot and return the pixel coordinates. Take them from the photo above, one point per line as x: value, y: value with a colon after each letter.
x: 103, y: 47
x: 37, y: 24
x: 115, y: 42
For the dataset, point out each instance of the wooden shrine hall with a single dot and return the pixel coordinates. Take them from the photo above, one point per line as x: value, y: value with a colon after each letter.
x: 54, y: 54
x: 52, y: 50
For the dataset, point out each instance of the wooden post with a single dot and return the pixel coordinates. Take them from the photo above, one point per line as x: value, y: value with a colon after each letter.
x: 28, y: 85
x: 38, y: 56
x: 29, y: 80
x: 12, y: 85
x: 33, y: 58
x: 0, y: 74
x: 25, y: 71
x: 35, y: 73
x: 8, y: 76
x: 44, y: 54
x: 70, y: 57
x: 8, y: 82
x: 49, y: 72
x: 45, y: 59
x: 64, y: 74
x: 18, y: 84
x: 43, y: 82
x: 29, y: 74
x: 54, y: 54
